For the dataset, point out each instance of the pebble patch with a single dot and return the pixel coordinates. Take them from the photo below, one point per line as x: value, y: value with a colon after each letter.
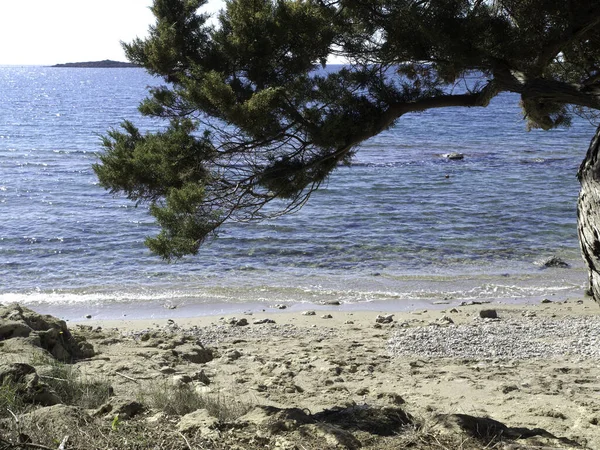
x: 505, y: 339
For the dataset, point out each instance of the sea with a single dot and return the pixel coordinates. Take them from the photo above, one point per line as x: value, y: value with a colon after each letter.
x: 401, y: 228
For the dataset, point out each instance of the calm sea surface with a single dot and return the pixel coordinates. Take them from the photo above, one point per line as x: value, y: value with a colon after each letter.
x: 391, y: 228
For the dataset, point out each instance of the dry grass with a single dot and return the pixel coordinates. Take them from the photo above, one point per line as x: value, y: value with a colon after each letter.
x: 74, y: 388
x: 10, y: 400
x: 183, y: 399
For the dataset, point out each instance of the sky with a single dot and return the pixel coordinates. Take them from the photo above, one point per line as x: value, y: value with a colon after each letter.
x: 47, y: 32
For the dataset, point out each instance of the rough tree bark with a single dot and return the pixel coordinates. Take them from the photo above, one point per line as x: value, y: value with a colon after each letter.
x: 588, y: 214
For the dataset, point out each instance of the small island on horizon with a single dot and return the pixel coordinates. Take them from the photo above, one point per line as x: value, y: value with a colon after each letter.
x: 105, y: 64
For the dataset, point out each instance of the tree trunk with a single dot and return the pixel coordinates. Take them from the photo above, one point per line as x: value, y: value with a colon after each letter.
x: 588, y: 214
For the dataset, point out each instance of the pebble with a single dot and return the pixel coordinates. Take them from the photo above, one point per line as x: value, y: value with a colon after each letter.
x: 388, y: 318
x: 217, y: 332
x: 445, y: 319
x: 488, y: 314
x: 261, y: 321
x: 309, y: 313
x: 507, y: 339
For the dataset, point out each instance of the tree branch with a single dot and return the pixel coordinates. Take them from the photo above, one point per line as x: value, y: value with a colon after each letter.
x: 396, y: 110
x: 550, y: 51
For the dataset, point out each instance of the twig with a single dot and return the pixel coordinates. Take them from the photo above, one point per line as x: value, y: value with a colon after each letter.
x: 185, y: 439
x: 63, y: 443
x: 53, y: 378
x: 14, y: 415
x: 94, y: 358
x: 32, y: 445
x: 127, y: 376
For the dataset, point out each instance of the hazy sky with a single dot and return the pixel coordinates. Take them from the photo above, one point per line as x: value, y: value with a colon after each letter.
x: 48, y: 32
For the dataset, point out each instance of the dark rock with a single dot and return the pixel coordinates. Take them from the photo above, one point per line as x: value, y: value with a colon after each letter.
x: 39, y: 393
x: 274, y: 420
x: 262, y: 321
x: 546, y: 301
x: 555, y: 261
x: 198, y: 355
x: 332, y: 428
x: 15, y: 373
x: 454, y: 156
x: 181, y: 379
x: 27, y: 384
x: 488, y: 314
x: 478, y: 427
x: 125, y: 408
x: 392, y: 397
x: 232, y: 355
x: 202, y: 377
x: 241, y: 322
x: 10, y: 329
x: 505, y: 389
x: 474, y: 302
x: 385, y: 421
x: 487, y: 429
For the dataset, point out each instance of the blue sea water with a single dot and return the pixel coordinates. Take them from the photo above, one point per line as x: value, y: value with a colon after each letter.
x: 402, y: 225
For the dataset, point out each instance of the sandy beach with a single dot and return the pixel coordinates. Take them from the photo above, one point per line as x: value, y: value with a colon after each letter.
x: 533, y: 369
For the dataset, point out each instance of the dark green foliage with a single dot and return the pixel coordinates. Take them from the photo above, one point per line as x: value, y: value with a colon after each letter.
x: 252, y: 120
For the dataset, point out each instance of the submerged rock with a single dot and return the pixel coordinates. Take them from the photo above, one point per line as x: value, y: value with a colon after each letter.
x: 454, y: 156
x: 555, y: 261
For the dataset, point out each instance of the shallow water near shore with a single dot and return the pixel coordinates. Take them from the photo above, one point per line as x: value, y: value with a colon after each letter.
x: 402, y: 225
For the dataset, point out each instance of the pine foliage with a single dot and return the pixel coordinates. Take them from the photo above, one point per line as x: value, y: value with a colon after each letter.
x: 255, y: 123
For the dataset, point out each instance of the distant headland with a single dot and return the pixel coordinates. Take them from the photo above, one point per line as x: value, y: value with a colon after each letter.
x: 106, y: 64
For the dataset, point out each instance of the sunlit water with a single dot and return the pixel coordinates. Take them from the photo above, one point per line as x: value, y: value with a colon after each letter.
x: 402, y: 225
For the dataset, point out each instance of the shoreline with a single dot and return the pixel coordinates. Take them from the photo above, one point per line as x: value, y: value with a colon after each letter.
x: 79, y: 313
